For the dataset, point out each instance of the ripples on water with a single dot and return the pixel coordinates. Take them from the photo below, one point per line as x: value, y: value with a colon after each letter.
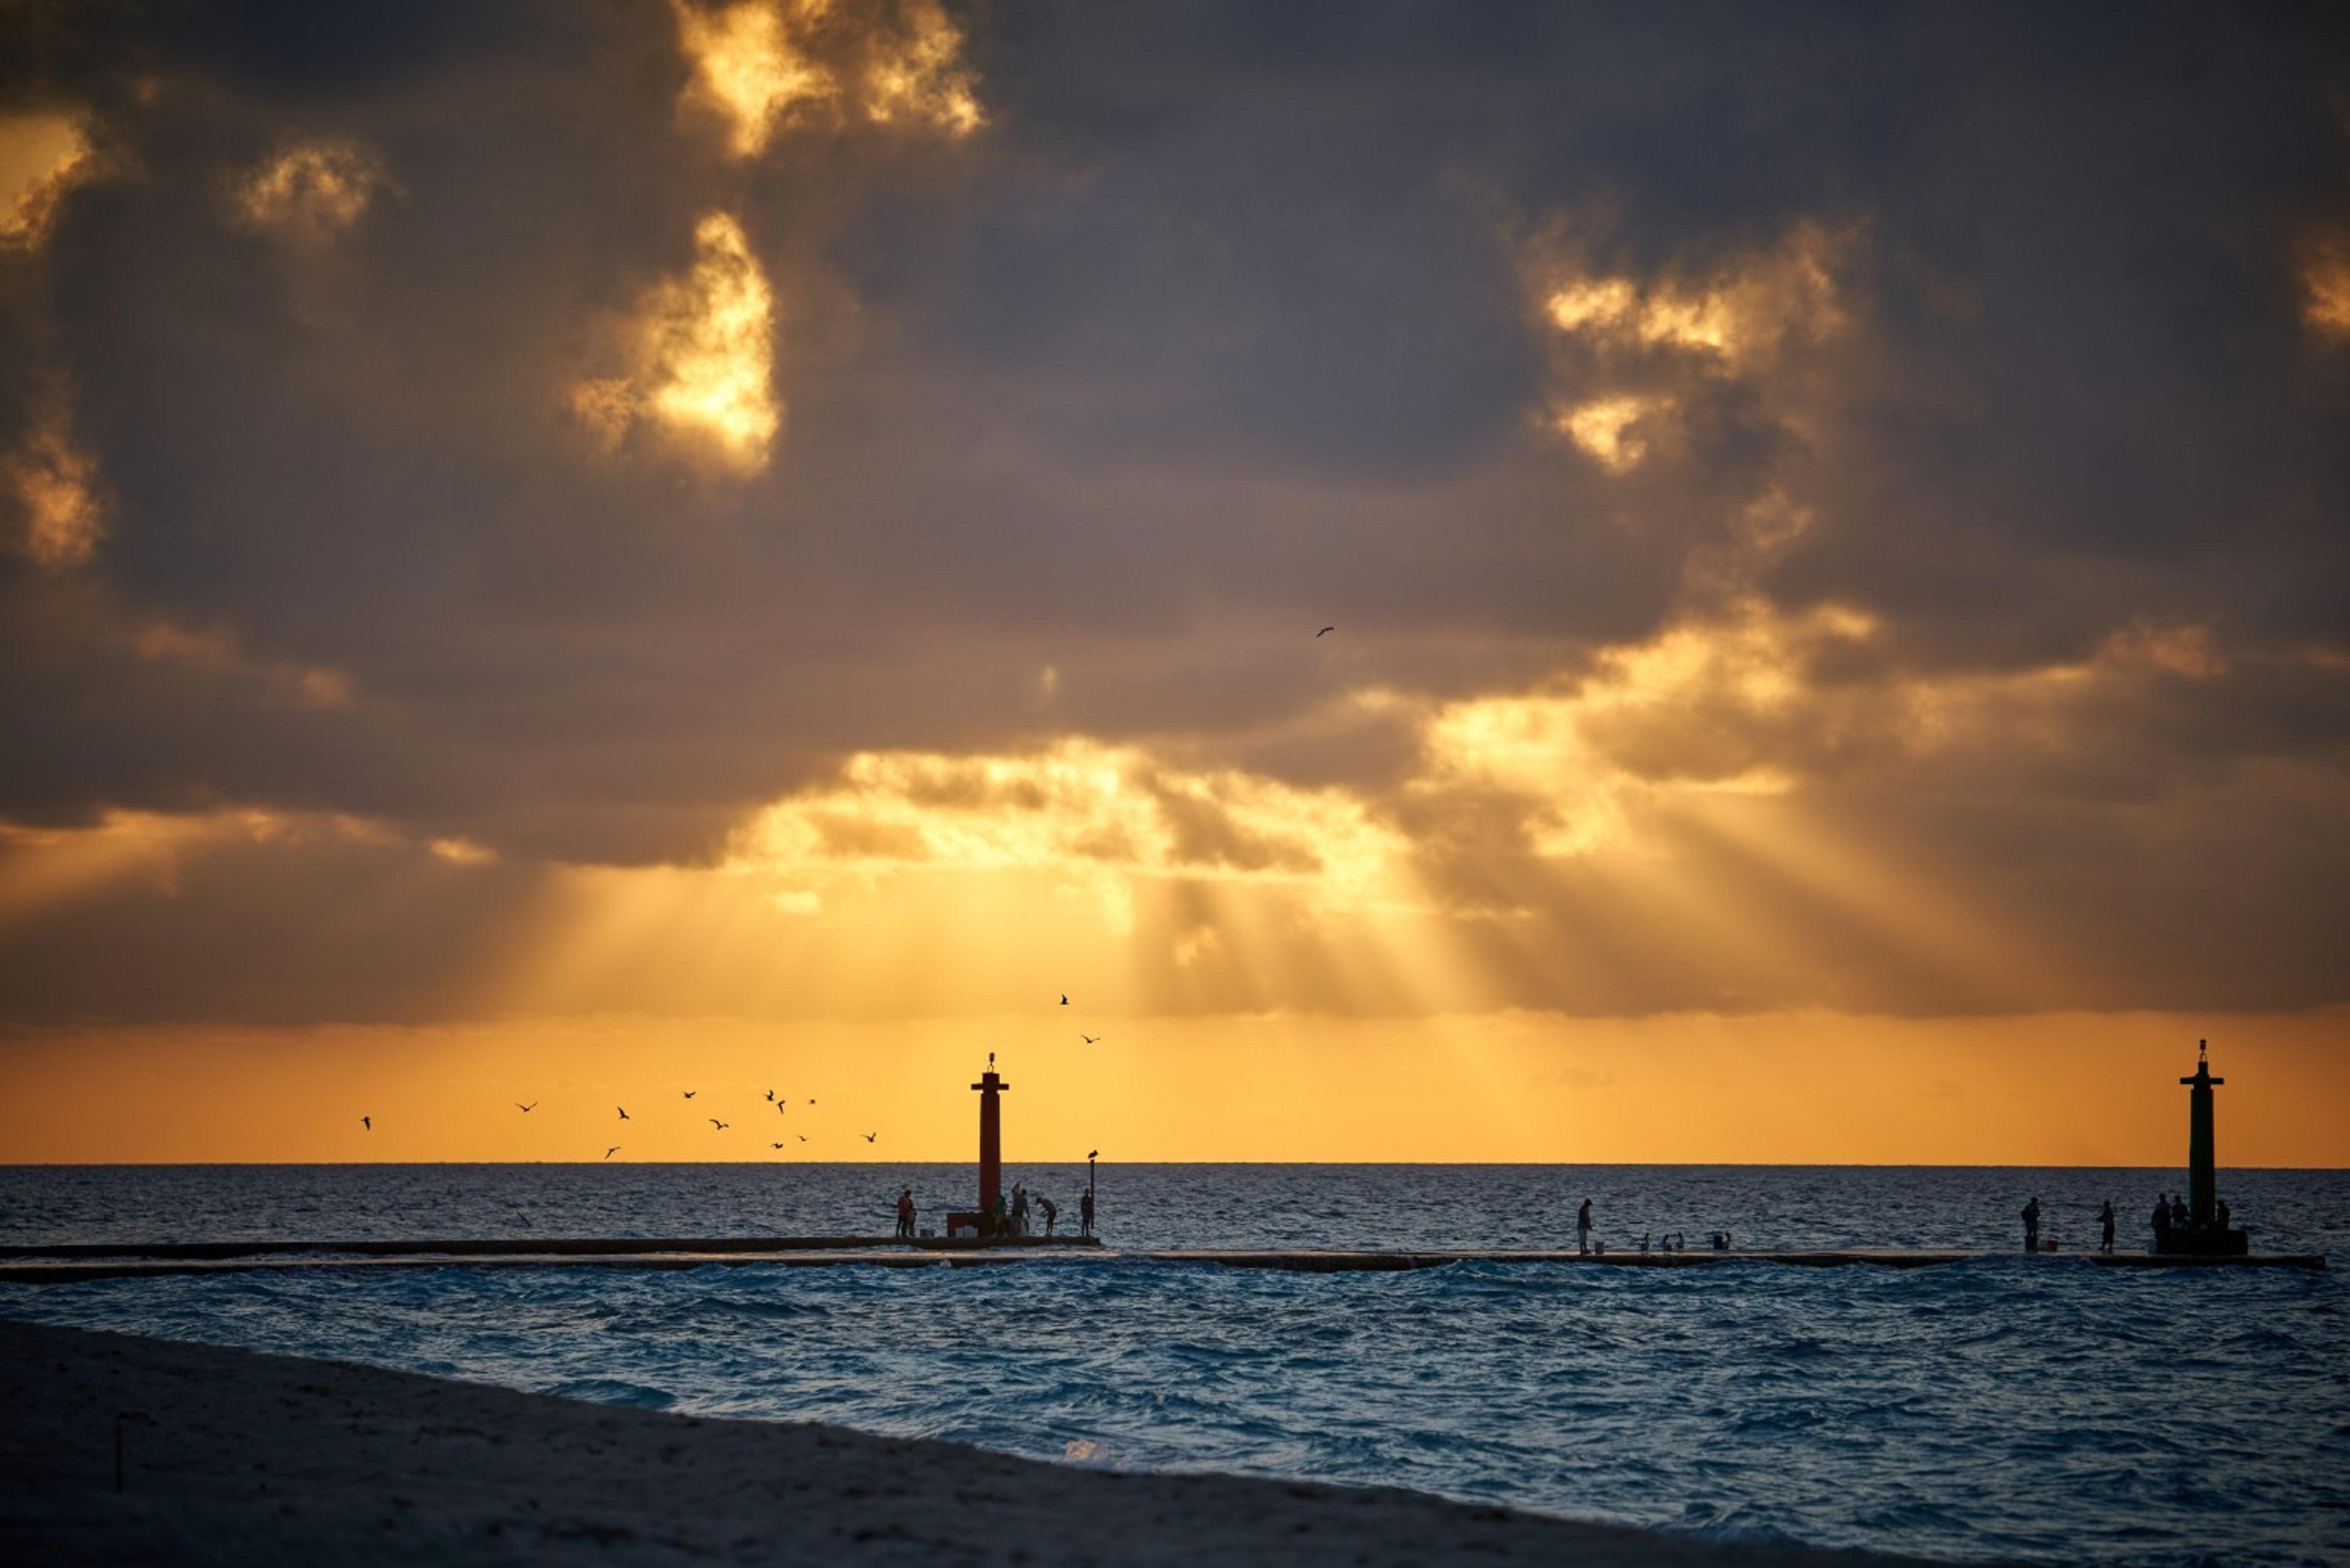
x: 2007, y: 1409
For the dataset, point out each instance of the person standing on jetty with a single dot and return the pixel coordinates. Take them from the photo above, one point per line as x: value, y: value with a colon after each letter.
x: 905, y: 1213
x: 1583, y: 1228
x: 1086, y: 1212
x: 1051, y: 1214
x: 2162, y: 1222
x: 2106, y: 1226
x: 2032, y: 1224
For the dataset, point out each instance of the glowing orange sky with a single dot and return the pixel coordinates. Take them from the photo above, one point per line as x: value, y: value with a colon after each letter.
x: 1781, y: 1088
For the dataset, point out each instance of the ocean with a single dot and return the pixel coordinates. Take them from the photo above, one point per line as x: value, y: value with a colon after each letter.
x: 2010, y: 1409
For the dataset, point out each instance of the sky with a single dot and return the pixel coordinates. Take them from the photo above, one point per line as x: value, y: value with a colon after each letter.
x: 564, y: 554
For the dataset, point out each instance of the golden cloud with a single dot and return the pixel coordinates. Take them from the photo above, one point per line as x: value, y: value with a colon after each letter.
x: 1608, y: 427
x: 2325, y: 287
x: 309, y: 194
x: 1080, y: 808
x: 761, y: 67
x: 54, y: 482
x: 42, y: 156
x: 1690, y: 712
x: 1739, y: 313
x: 1628, y: 350
x: 702, y: 346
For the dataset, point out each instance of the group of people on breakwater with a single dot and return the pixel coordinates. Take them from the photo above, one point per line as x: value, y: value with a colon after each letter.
x: 1587, y: 1245
x: 1014, y: 1216
x: 2170, y: 1217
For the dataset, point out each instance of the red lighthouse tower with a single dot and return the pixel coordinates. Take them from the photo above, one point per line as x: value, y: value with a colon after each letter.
x: 991, y: 1139
x: 991, y: 1156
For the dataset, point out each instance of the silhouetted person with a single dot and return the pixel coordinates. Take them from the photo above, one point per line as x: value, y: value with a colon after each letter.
x: 1583, y: 1228
x: 2032, y: 1225
x: 2162, y: 1222
x: 905, y: 1213
x: 1001, y: 1217
x: 1086, y: 1212
x: 1052, y: 1215
x: 2105, y: 1227
x: 2178, y: 1211
x: 2222, y: 1213
x: 1019, y: 1209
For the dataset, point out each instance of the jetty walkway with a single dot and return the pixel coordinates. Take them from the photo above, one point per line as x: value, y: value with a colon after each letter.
x: 59, y: 1264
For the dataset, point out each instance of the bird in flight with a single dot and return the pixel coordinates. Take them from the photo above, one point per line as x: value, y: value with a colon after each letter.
x: 771, y: 1094
x: 611, y: 1151
x: 526, y: 1109
x: 811, y: 1102
x: 870, y: 1136
x: 775, y: 1145
x: 1089, y: 1039
x: 804, y: 1137
x: 623, y: 1110
x: 717, y: 1126
x: 781, y: 1107
x: 690, y: 1092
x: 1325, y: 629
x: 368, y: 1122
x: 1064, y: 999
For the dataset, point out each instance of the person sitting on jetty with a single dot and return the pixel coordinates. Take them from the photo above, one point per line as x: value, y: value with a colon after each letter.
x: 2032, y: 1224
x: 1583, y: 1228
x: 905, y: 1213
x: 2105, y: 1227
x: 1045, y: 1207
x: 1086, y: 1212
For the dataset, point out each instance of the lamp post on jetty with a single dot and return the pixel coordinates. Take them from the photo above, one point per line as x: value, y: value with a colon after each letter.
x: 2204, y: 1235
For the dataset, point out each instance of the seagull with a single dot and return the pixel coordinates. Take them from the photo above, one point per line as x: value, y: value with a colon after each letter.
x: 870, y: 1136
x: 623, y: 1110
x: 781, y: 1107
x: 1093, y: 1154
x: 526, y: 1109
x: 690, y: 1092
x: 368, y: 1122
x: 811, y: 1101
x: 771, y: 1094
x: 1089, y: 1039
x: 1064, y: 999
x: 611, y: 1151
x: 1325, y: 629
x: 804, y: 1137
x: 717, y: 1126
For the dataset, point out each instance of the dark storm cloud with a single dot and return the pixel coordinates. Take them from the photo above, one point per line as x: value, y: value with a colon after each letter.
x: 1226, y: 324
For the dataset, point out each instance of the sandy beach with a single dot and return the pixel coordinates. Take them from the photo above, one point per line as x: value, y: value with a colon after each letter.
x: 244, y: 1457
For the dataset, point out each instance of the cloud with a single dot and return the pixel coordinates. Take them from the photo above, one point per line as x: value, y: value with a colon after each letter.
x: 2325, y: 287
x: 310, y: 194
x: 43, y: 155
x: 763, y: 67
x: 702, y: 346
x: 53, y: 482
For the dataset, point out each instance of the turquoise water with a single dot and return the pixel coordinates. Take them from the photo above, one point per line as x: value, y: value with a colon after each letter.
x: 2012, y: 1408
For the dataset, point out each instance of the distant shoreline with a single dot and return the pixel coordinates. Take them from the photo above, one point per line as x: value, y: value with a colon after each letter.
x: 238, y: 1455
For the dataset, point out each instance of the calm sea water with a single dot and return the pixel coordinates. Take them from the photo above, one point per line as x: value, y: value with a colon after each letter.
x: 2012, y: 1409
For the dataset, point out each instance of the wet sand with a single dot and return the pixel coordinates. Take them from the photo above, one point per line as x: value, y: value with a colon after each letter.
x: 253, y: 1457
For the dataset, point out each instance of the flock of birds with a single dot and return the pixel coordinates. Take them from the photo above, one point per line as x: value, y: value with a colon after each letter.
x: 719, y: 1125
